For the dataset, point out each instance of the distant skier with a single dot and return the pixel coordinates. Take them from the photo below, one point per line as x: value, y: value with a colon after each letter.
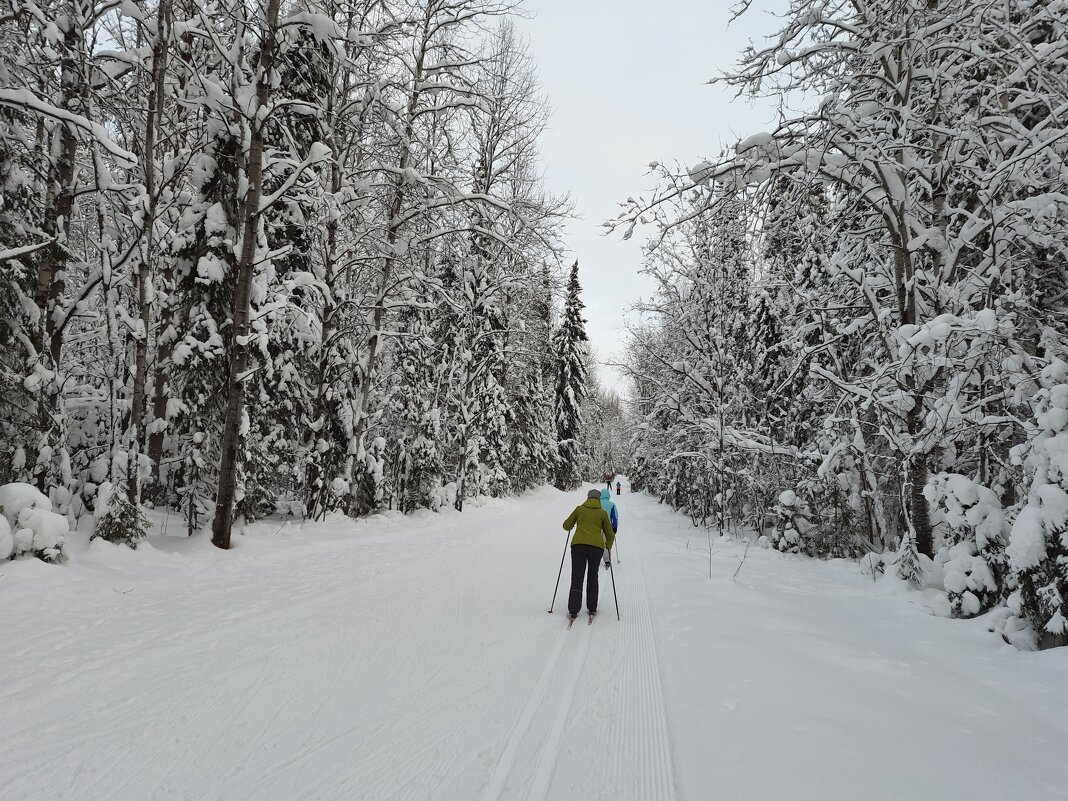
x: 608, y: 481
x: 618, y: 487
x: 613, y: 514
x: 593, y: 531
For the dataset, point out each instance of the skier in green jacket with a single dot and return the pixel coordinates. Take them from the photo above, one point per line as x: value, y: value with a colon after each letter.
x: 593, y: 534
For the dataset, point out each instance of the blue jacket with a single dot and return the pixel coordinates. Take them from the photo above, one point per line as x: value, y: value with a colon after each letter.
x: 608, y: 506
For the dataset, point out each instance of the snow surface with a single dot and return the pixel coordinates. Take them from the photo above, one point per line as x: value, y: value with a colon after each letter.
x: 412, y: 658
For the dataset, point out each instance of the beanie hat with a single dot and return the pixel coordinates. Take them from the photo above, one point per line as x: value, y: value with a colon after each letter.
x: 593, y: 494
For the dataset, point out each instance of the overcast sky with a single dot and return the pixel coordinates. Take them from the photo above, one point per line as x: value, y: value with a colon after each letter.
x: 627, y: 82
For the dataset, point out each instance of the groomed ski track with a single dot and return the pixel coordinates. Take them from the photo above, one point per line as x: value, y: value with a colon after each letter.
x: 593, y: 726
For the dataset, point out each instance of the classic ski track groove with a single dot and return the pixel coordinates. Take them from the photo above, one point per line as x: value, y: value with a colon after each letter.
x: 507, y: 759
x: 634, y: 692
x: 624, y: 685
x: 423, y: 765
x: 651, y: 722
x: 551, y: 752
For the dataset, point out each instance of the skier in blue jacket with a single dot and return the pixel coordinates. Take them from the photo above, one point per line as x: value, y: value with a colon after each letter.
x: 613, y: 516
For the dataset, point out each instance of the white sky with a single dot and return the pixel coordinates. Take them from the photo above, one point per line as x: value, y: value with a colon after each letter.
x: 627, y: 83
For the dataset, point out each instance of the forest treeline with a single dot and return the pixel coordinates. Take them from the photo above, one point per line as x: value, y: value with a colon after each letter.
x: 262, y: 257
x: 859, y: 339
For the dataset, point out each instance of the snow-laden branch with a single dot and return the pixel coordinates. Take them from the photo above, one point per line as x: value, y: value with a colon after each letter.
x: 317, y: 154
x: 14, y: 253
x: 25, y: 99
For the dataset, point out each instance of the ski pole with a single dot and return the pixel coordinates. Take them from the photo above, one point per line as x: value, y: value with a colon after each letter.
x: 560, y: 572
x: 612, y: 573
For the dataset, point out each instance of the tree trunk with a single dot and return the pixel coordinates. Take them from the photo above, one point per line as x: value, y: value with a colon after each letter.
x: 314, y: 475
x: 250, y: 217
x: 164, y: 335
x: 919, y: 513
x: 144, y: 270
x: 47, y: 337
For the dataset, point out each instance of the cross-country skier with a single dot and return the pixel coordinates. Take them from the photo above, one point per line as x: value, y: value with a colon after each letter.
x: 618, y: 487
x: 593, y: 532
x: 613, y: 515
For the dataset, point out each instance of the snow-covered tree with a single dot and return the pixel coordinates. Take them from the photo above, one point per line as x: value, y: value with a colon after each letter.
x: 272, y: 256
x: 570, y: 349
x: 532, y: 451
x: 1038, y: 543
x: 905, y: 284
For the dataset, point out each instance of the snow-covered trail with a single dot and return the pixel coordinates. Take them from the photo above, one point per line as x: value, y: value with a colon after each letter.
x: 413, y: 659
x: 594, y: 725
x: 805, y: 680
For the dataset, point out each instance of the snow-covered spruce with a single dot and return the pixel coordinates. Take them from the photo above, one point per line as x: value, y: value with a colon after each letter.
x: 116, y: 519
x: 570, y: 352
x: 1038, y: 541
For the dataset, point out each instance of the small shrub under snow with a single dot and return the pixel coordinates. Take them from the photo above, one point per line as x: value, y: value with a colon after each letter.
x: 969, y: 581
x: 973, y: 561
x: 30, y: 527
x: 443, y: 497
x: 1038, y: 540
x: 17, y: 496
x: 820, y: 521
x: 118, y: 520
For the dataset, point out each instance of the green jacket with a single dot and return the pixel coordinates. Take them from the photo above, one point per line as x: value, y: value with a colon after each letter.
x: 594, y: 528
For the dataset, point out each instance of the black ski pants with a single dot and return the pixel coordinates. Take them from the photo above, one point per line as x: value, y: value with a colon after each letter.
x: 585, y: 559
